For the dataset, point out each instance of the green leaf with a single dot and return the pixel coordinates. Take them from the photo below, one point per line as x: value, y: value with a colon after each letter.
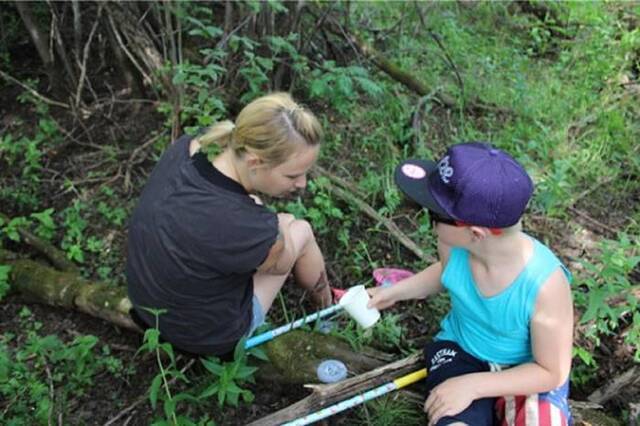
x: 4, y: 280
x: 212, y: 364
x: 211, y: 390
x: 153, y: 390
x: 169, y: 407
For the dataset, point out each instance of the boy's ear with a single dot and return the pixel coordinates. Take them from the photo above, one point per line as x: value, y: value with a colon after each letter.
x: 479, y: 232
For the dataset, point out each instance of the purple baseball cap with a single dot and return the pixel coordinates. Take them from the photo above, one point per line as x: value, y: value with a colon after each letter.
x: 474, y: 183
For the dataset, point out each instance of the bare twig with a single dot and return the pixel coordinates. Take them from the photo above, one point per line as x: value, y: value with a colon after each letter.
x: 452, y: 64
x: 226, y: 38
x: 60, y: 48
x: 133, y: 60
x: 613, y: 386
x: 85, y: 56
x: 57, y: 257
x: 52, y: 394
x: 389, y: 224
x: 417, y: 116
x: 606, y: 228
x: 32, y: 91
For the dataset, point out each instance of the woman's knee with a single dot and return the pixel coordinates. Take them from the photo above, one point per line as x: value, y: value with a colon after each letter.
x: 302, y: 234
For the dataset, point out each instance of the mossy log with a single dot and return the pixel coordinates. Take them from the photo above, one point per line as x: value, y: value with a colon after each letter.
x: 42, y: 284
x: 293, y: 356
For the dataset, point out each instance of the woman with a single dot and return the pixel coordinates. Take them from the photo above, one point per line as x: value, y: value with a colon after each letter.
x: 201, y: 244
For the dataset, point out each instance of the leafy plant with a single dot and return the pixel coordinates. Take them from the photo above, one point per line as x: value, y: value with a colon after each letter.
x: 339, y: 85
x: 160, y: 388
x: 39, y: 375
x: 4, y: 280
x: 605, y: 282
x: 228, y: 376
x: 75, y: 224
x: 46, y: 225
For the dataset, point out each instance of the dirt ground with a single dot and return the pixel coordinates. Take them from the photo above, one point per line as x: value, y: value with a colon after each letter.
x: 123, y: 126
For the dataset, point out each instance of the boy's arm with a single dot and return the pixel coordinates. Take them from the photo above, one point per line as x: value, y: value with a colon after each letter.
x: 419, y: 286
x: 551, y: 338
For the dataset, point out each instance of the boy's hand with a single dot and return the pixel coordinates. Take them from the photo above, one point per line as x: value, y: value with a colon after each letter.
x: 449, y: 398
x: 380, y: 298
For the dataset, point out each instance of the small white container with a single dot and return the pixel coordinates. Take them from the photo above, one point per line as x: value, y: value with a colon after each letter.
x: 355, y: 302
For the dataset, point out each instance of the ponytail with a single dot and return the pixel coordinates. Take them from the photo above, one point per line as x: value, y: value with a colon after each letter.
x: 219, y: 134
x: 271, y: 127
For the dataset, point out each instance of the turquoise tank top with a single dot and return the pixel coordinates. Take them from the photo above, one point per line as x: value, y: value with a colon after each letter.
x: 495, y: 329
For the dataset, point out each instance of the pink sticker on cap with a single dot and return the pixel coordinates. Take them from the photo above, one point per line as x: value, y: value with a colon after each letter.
x: 413, y: 171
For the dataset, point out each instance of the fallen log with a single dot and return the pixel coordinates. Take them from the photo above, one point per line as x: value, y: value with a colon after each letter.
x: 324, y: 395
x: 293, y: 357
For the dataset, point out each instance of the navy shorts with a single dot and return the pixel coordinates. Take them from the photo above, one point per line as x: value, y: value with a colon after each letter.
x: 445, y: 359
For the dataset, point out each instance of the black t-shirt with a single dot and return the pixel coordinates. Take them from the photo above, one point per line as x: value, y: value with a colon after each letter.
x: 195, y: 241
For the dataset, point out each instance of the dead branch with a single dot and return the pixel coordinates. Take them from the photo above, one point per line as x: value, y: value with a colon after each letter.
x: 61, y: 50
x: 416, y: 119
x: 613, y: 386
x: 408, y: 79
x: 55, y: 256
x: 32, y: 91
x: 605, y: 228
x: 389, y: 224
x: 324, y: 395
x: 147, y: 78
x: 85, y: 56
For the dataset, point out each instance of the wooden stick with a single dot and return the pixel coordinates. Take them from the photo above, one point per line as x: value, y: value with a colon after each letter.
x: 324, y: 395
x: 612, y: 387
x: 370, y: 211
x: 57, y: 257
x: 32, y: 91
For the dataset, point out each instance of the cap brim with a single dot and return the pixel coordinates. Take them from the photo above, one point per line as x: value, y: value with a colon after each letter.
x: 415, y: 184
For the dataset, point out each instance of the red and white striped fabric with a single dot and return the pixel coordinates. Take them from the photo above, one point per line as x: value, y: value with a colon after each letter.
x: 532, y: 410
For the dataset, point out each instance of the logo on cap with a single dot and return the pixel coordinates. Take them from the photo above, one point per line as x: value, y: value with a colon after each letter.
x: 413, y: 171
x: 446, y: 171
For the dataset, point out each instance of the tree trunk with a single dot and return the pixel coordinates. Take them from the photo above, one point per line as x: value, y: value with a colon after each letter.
x: 41, y: 42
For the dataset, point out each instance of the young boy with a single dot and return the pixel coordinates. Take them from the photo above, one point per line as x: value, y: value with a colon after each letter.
x: 509, y: 331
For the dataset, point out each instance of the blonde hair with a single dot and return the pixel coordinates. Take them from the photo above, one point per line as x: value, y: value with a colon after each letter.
x: 271, y: 127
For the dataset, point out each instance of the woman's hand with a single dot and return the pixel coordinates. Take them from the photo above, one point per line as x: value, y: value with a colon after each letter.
x: 449, y: 398
x: 381, y: 298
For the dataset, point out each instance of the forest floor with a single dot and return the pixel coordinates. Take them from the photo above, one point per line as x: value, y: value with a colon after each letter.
x: 105, y: 157
x: 124, y: 398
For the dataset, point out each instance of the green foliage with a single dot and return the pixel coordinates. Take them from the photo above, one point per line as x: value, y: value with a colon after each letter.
x: 339, y: 85
x: 389, y: 410
x: 46, y: 225
x: 605, y: 281
x: 321, y: 211
x: 40, y: 375
x: 229, y: 376
x: 385, y: 334
x: 160, y: 389
x: 110, y: 209
x: 75, y: 225
x: 223, y: 383
x: 25, y: 153
x: 10, y: 230
x: 4, y: 280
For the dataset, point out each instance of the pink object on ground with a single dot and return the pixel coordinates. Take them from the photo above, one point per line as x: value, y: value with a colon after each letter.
x: 386, y: 277
x: 337, y: 293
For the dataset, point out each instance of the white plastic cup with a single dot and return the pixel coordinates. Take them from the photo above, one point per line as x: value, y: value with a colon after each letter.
x: 354, y: 301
